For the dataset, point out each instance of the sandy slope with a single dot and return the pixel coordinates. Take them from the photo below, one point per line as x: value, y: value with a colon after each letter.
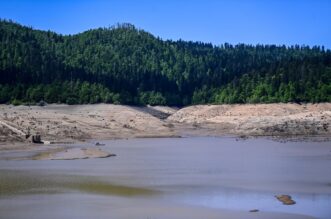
x: 259, y: 119
x: 63, y: 122
x: 106, y: 121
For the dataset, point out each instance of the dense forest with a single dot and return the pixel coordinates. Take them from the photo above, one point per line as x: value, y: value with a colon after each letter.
x: 123, y: 64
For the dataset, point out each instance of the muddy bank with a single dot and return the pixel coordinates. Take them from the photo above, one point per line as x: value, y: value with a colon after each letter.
x: 106, y: 121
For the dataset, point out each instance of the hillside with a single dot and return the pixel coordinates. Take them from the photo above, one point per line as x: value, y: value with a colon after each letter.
x: 123, y: 64
x: 61, y: 123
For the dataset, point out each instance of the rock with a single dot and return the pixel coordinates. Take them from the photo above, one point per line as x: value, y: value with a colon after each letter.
x: 36, y: 139
x: 285, y: 199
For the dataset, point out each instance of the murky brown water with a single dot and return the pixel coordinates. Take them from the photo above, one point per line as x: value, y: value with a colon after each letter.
x: 221, y: 173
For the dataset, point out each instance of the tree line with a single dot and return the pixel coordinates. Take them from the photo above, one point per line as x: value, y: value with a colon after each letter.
x: 125, y: 65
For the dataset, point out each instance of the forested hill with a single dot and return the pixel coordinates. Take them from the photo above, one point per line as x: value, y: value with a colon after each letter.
x: 123, y: 64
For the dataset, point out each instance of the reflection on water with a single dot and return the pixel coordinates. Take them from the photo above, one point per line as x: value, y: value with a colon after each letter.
x: 211, y: 172
x: 307, y: 204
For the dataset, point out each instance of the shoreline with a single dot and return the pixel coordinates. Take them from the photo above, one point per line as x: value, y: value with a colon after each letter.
x: 58, y: 125
x: 92, y: 149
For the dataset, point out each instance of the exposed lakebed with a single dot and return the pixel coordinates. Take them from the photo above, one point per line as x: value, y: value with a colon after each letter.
x: 205, y: 177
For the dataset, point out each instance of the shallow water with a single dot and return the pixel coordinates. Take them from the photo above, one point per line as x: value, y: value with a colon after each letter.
x: 211, y: 172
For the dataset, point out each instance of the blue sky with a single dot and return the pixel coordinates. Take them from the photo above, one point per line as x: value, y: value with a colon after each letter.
x: 217, y: 21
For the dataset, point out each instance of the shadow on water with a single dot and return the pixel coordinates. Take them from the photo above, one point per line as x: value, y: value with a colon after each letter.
x: 19, y: 183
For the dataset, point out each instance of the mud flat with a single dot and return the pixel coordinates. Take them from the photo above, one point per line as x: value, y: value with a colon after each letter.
x: 72, y: 154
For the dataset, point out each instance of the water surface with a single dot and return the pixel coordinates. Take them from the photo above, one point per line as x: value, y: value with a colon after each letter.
x: 218, y: 173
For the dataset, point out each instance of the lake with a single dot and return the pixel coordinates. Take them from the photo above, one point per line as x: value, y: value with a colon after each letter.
x: 196, y: 177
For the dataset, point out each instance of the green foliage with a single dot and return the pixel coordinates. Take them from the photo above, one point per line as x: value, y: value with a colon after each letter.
x: 125, y: 65
x: 16, y: 102
x: 71, y: 101
x: 151, y: 97
x: 203, y: 96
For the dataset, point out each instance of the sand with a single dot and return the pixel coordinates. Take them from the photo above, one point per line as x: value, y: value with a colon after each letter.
x: 61, y: 123
x: 259, y: 119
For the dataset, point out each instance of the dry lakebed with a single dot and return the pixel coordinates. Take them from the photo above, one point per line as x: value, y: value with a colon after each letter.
x: 208, y: 161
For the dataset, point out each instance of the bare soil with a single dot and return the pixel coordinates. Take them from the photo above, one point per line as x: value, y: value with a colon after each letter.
x: 63, y: 123
x: 259, y: 119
